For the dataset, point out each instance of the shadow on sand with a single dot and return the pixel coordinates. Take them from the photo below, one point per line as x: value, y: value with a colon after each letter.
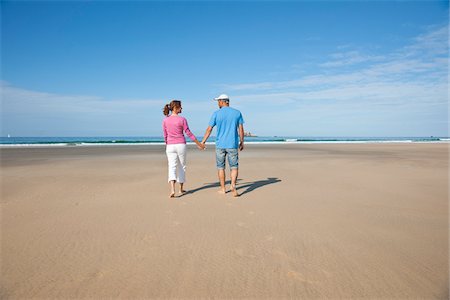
x: 251, y: 186
x: 243, y: 188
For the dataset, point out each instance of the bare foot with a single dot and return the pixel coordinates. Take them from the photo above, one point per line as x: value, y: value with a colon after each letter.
x: 172, y: 195
x: 234, y: 191
x: 221, y: 191
x: 182, y: 192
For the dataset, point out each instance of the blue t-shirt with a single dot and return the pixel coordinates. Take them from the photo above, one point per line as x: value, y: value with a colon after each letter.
x: 227, y: 120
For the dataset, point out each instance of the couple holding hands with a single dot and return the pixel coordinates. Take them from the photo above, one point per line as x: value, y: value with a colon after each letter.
x: 229, y: 139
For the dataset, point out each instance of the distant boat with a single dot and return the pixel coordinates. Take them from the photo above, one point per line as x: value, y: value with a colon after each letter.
x: 9, y: 136
x: 249, y: 134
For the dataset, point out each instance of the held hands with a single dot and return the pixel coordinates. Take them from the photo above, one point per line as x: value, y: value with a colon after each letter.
x: 201, y: 146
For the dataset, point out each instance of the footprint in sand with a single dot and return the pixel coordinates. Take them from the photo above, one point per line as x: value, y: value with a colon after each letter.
x: 241, y: 253
x: 98, y: 274
x: 298, y: 277
x: 282, y: 255
x: 147, y: 238
x: 241, y: 224
x: 269, y: 238
x: 326, y: 273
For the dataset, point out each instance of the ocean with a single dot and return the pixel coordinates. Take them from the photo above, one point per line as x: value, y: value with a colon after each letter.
x: 96, y: 141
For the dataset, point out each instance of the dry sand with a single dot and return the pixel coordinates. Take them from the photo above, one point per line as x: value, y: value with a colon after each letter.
x: 313, y: 221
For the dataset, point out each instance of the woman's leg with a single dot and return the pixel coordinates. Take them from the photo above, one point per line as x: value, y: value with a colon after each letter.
x: 172, y: 189
x: 172, y: 161
x: 181, y: 165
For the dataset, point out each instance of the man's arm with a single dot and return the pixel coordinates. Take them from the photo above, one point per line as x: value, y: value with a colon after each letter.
x: 207, y: 134
x: 241, y: 137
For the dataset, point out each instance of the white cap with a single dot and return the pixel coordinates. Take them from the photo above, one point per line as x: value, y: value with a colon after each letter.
x: 222, y: 97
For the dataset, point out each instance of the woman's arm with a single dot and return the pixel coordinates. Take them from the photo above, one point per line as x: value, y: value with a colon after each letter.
x: 199, y: 145
x: 191, y: 135
x: 164, y: 131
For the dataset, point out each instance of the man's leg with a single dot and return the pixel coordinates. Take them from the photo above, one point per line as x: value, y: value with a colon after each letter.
x: 220, y: 162
x: 233, y: 160
x: 234, y: 176
x: 221, y: 174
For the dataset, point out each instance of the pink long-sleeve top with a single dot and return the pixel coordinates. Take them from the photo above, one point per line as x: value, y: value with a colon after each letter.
x: 174, y: 127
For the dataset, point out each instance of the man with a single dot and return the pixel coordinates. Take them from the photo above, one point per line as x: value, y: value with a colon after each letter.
x: 229, y: 122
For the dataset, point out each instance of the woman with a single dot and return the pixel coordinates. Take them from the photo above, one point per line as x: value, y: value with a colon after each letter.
x: 173, y: 127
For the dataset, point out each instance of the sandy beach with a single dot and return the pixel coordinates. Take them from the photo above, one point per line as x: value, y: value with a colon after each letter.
x: 313, y: 221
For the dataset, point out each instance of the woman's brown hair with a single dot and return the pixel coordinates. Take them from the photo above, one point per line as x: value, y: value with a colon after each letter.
x: 169, y: 107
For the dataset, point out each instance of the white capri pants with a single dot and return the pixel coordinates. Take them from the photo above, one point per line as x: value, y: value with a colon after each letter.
x: 176, y: 158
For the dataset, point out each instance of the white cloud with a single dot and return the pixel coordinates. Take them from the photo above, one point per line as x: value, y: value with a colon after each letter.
x: 26, y: 112
x: 406, y: 89
x: 433, y: 42
x: 341, y: 59
x: 410, y: 72
x: 18, y: 100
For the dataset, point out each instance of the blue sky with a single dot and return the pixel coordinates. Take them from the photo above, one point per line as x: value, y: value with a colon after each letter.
x: 294, y: 68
